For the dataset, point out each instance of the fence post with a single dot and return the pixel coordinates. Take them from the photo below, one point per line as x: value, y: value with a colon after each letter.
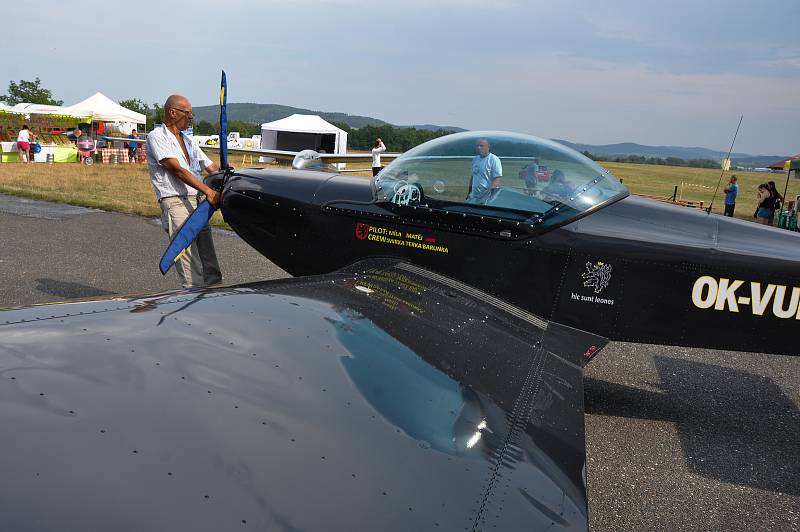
x: 675, y: 193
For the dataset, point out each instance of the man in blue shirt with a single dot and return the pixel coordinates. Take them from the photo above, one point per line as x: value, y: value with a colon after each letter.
x: 730, y: 196
x: 133, y: 148
x: 487, y: 172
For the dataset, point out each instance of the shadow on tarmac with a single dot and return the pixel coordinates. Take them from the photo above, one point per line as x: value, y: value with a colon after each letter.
x: 749, y: 438
x: 68, y: 290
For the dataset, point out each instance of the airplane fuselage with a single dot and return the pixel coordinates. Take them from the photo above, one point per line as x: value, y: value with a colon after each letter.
x: 635, y: 270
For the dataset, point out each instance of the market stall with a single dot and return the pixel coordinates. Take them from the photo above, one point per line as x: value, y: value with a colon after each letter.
x: 779, y: 165
x: 788, y: 216
x: 48, y: 123
x: 112, y: 120
x: 8, y: 133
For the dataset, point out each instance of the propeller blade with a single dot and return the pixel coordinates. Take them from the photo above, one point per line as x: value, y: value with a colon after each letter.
x: 223, y: 123
x: 186, y: 234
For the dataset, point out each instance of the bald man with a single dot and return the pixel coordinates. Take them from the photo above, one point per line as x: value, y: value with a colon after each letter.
x: 487, y: 173
x: 175, y: 164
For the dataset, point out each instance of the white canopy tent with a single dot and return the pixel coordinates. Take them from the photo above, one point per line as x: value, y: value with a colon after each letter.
x: 42, y: 109
x: 303, y: 132
x: 103, y: 109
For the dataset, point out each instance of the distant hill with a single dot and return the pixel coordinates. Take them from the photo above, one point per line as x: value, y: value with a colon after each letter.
x: 431, y: 127
x: 631, y: 148
x: 258, y: 113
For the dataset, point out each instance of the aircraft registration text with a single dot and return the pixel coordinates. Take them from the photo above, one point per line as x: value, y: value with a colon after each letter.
x: 732, y: 295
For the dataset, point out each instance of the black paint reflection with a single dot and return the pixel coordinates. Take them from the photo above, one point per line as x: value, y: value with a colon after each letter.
x: 378, y: 400
x: 424, y: 402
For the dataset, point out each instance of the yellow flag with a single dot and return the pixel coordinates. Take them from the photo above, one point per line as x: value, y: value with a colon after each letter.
x: 726, y: 164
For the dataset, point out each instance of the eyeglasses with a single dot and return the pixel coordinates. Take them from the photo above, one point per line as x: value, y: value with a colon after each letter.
x: 188, y: 113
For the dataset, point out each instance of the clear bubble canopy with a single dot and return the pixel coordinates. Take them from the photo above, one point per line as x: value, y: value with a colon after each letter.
x: 498, y: 174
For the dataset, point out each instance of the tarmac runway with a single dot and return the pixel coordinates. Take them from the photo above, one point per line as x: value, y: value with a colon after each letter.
x: 677, y: 439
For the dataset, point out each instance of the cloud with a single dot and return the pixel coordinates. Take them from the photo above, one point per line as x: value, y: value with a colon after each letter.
x: 656, y: 72
x: 783, y: 61
x: 604, y: 103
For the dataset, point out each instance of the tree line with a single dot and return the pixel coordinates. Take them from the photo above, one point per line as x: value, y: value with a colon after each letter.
x: 155, y: 115
x: 396, y: 139
x: 660, y: 161
x: 29, y: 92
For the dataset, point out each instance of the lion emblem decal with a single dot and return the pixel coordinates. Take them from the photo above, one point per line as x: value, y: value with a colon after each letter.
x: 597, y: 276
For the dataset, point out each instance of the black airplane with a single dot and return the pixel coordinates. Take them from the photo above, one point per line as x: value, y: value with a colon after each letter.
x: 423, y: 371
x: 558, y: 236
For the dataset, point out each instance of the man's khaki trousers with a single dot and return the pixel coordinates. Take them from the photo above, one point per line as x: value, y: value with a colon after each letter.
x: 198, y: 266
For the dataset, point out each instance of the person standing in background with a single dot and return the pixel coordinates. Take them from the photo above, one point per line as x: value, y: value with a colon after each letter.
x: 777, y: 200
x: 133, y: 148
x: 24, y: 144
x: 766, y: 205
x: 730, y: 196
x: 377, y: 149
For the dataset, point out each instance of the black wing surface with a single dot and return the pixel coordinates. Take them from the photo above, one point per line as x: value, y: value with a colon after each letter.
x: 381, y: 397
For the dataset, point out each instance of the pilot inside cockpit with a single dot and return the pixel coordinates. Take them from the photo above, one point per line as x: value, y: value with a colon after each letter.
x: 529, y: 174
x: 487, y: 173
x: 558, y: 187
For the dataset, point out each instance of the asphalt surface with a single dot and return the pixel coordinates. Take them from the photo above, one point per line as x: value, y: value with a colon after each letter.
x: 51, y: 252
x: 677, y: 439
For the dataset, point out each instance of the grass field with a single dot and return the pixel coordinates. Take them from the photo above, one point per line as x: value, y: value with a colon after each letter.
x: 698, y: 184
x: 126, y: 188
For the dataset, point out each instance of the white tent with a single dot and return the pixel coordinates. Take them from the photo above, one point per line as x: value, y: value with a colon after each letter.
x: 104, y: 109
x: 303, y: 132
x: 42, y: 109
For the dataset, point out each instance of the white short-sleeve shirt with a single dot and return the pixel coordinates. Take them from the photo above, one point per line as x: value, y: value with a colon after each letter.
x: 162, y: 144
x: 484, y: 171
x: 376, y: 155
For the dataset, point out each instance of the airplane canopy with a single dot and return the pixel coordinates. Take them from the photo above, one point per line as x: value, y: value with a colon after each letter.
x: 522, y: 179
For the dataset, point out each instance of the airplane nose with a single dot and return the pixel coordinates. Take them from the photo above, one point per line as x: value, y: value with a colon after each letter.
x: 283, y: 213
x: 275, y: 185
x: 268, y: 209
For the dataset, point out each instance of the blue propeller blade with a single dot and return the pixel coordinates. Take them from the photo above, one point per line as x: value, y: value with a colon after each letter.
x: 223, y: 123
x: 199, y: 218
x: 186, y: 234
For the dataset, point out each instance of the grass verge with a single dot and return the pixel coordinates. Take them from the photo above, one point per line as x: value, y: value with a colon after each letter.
x: 126, y: 187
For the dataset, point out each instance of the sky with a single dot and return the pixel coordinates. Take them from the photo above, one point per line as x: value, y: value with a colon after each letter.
x: 661, y: 73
